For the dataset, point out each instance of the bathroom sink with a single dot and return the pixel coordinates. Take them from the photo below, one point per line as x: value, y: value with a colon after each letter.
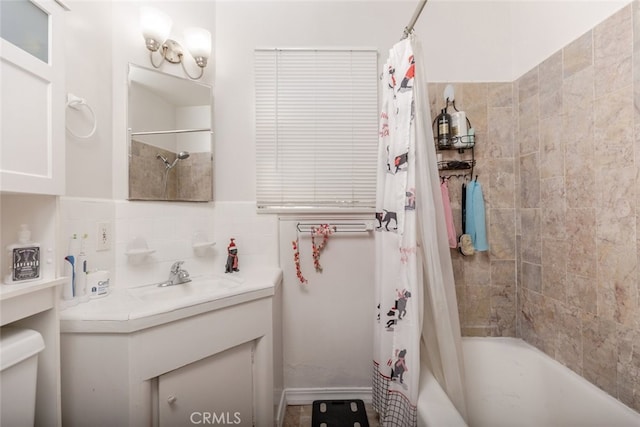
x: 199, y: 288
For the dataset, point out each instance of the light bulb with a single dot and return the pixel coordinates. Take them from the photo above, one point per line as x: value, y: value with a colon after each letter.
x: 198, y: 42
x: 155, y: 26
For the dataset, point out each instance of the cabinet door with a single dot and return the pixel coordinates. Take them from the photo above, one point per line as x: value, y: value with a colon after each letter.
x: 217, y: 390
x: 33, y: 97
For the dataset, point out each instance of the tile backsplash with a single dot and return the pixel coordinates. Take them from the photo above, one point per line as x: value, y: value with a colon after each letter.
x: 170, y: 229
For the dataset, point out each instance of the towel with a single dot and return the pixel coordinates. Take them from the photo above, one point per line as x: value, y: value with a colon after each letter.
x: 448, y: 215
x: 475, y: 216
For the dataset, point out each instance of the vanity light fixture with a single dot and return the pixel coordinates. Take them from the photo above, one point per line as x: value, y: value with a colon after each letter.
x: 156, y: 26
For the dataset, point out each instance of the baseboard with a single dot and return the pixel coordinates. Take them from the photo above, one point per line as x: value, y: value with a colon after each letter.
x: 306, y: 396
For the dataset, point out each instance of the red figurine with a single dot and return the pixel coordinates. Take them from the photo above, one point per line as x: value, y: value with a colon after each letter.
x: 232, y: 257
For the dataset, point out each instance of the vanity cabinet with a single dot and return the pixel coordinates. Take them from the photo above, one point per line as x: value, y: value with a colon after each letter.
x: 218, y: 388
x: 32, y: 83
x: 141, y: 361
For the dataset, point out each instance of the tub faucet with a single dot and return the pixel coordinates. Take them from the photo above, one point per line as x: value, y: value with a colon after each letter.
x: 177, y: 275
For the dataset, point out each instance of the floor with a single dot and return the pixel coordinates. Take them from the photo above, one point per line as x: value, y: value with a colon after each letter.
x: 300, y: 416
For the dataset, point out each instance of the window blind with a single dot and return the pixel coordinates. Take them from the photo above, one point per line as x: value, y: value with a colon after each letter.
x: 316, y: 128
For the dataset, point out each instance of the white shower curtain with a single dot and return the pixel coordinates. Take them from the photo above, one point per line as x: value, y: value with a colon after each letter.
x: 414, y: 289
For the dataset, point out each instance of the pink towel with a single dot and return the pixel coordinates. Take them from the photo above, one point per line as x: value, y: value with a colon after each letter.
x: 448, y: 216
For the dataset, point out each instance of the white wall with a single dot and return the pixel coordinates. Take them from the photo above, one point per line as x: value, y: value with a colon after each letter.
x: 328, y: 322
x: 88, y: 68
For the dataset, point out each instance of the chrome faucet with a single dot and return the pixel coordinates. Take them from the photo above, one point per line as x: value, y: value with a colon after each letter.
x: 177, y: 275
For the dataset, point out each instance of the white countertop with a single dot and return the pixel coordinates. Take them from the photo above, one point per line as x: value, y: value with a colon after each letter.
x: 131, y: 309
x: 13, y: 290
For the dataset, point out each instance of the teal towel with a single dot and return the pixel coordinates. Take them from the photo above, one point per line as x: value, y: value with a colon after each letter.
x: 475, y: 217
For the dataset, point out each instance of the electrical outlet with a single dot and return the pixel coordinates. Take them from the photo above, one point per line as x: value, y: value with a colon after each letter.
x: 104, y: 236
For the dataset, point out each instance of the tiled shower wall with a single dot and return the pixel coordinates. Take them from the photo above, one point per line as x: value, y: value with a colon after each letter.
x: 486, y: 281
x: 558, y: 156
x: 578, y: 146
x: 190, y: 180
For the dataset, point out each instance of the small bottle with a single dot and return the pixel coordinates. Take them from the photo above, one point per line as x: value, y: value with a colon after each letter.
x: 472, y: 138
x: 459, y: 129
x: 443, y: 129
x: 24, y: 256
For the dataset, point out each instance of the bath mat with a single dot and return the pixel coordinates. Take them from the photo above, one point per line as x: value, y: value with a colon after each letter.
x: 339, y: 413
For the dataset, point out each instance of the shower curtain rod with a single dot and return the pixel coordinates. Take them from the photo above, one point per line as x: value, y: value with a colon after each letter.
x: 164, y: 132
x: 409, y: 28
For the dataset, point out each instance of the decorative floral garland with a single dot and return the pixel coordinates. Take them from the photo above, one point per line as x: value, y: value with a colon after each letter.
x: 296, y: 260
x: 324, y: 230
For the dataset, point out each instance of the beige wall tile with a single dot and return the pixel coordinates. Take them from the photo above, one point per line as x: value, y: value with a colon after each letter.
x: 613, y: 38
x: 501, y: 183
x: 528, y: 126
x: 532, y: 276
x: 552, y: 202
x: 550, y: 74
x: 552, y: 155
x: 554, y: 269
x: 582, y: 293
x: 581, y: 232
x: 599, y: 352
x: 500, y: 132
x: 578, y: 54
x: 502, y: 233
x: 628, y: 365
x: 531, y: 241
x: 500, y: 95
x: 613, y: 129
x: 528, y: 85
x: 569, y: 338
x: 530, y: 180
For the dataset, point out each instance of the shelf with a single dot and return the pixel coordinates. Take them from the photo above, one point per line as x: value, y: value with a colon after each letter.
x: 459, y: 143
x: 138, y: 252
x: 460, y: 166
x: 456, y: 165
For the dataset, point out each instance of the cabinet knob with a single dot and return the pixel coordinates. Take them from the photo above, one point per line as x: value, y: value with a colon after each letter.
x: 171, y: 399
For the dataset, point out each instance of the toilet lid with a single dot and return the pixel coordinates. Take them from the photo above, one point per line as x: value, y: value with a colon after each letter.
x: 18, y: 344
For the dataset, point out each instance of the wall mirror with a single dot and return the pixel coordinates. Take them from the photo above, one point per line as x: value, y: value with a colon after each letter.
x: 170, y: 139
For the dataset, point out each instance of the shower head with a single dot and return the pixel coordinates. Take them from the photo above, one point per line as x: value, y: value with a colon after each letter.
x: 180, y: 156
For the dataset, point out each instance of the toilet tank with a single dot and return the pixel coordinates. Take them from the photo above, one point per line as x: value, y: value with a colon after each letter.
x: 19, y: 350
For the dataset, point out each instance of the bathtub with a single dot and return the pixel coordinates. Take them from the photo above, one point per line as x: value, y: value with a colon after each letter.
x: 513, y: 384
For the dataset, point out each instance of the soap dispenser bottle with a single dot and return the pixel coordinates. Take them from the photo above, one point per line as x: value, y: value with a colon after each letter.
x: 24, y: 258
x: 443, y: 128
